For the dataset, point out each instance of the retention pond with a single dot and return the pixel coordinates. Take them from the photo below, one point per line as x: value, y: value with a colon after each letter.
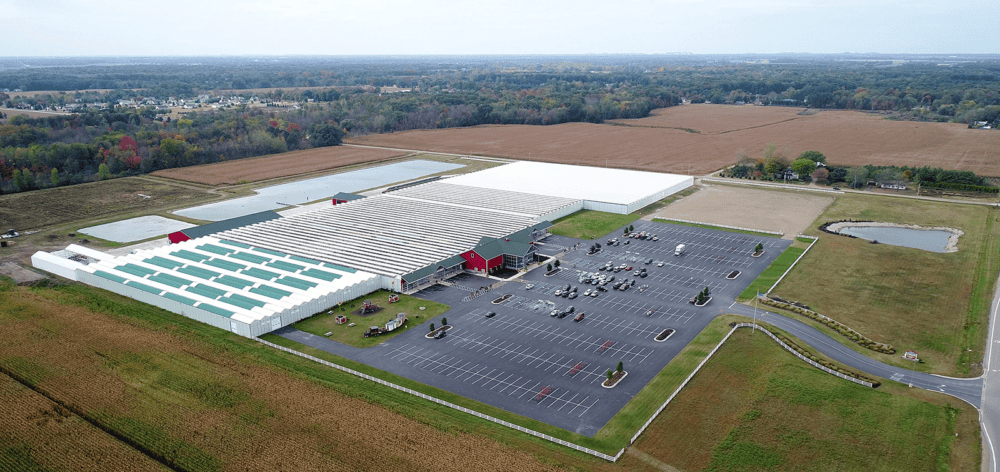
x: 934, y: 240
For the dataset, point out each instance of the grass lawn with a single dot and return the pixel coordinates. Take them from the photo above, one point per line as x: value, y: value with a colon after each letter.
x: 934, y: 303
x: 700, y: 225
x: 770, y: 275
x: 754, y: 406
x: 324, y: 322
x: 589, y: 224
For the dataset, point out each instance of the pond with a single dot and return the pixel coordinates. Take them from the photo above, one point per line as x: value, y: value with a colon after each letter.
x: 303, y: 191
x: 928, y: 240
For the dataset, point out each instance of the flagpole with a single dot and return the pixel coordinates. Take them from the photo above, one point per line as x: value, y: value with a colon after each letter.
x: 756, y: 300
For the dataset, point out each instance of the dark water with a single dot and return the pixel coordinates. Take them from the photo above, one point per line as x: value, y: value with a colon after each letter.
x: 928, y: 240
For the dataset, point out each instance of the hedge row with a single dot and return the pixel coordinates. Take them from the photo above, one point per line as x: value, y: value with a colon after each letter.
x: 966, y: 187
x: 822, y: 361
x: 837, y: 326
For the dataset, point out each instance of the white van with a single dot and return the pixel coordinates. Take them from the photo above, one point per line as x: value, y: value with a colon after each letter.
x: 679, y: 250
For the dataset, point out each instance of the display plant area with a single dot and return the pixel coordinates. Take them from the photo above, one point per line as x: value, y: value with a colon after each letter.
x: 589, y: 224
x: 326, y: 322
x: 934, y: 303
x: 754, y: 406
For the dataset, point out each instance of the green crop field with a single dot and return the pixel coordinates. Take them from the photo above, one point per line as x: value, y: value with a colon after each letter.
x: 325, y: 322
x: 934, y: 303
x: 588, y: 224
x: 754, y: 406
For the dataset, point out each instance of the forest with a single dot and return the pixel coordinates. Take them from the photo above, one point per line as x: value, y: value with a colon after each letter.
x: 104, y: 140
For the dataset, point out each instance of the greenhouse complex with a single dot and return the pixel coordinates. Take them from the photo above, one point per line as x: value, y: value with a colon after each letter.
x: 252, y: 275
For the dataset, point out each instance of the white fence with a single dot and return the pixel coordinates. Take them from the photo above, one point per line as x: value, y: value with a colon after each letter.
x: 793, y: 264
x: 680, y: 387
x: 778, y: 233
x: 508, y: 424
x: 800, y: 356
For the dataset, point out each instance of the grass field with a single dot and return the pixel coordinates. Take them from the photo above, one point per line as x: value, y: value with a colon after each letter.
x: 756, y: 407
x: 589, y: 224
x: 699, y: 225
x: 117, y: 198
x: 322, y: 323
x: 773, y: 272
x: 934, y: 303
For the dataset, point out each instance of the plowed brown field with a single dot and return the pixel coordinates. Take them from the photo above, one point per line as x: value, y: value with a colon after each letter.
x: 277, y: 165
x: 204, y: 409
x: 658, y: 143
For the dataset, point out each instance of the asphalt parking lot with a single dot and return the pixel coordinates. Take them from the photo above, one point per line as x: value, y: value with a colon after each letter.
x: 549, y: 368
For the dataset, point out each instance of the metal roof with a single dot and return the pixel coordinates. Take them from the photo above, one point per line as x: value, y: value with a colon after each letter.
x: 518, y: 203
x: 596, y: 184
x: 219, y: 226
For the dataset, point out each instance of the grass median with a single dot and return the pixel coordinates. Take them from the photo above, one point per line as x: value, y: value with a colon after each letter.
x: 589, y: 224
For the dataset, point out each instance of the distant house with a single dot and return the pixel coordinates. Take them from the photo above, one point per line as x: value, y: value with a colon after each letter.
x: 786, y: 175
x: 892, y: 185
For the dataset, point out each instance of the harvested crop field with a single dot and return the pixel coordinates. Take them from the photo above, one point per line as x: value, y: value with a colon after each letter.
x: 660, y: 143
x: 277, y: 165
x: 790, y: 212
x: 184, y: 403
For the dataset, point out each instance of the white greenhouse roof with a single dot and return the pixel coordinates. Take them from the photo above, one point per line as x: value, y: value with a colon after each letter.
x: 516, y: 203
x: 597, y: 184
x: 381, y: 234
x: 234, y: 280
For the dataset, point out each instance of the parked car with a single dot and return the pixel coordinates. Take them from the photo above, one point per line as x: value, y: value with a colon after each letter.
x: 572, y: 295
x: 659, y: 265
x: 593, y: 294
x: 579, y: 317
x: 529, y: 286
x: 554, y: 313
x: 565, y: 294
x: 491, y: 314
x: 559, y: 293
x: 440, y: 334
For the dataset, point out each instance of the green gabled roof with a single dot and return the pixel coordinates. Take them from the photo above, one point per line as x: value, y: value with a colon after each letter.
x: 177, y: 298
x: 285, y: 266
x: 230, y: 266
x: 339, y: 267
x: 295, y: 282
x: 306, y: 260
x: 185, y: 254
x: 270, y: 292
x: 488, y: 248
x: 135, y: 270
x: 198, y: 272
x: 234, y: 282
x: 320, y: 274
x: 167, y: 279
x: 260, y: 273
x: 216, y: 249
x: 238, y: 222
x: 241, y: 301
x: 163, y: 262
x: 206, y: 291
x: 431, y: 268
x: 143, y: 287
x: 216, y: 310
x: 105, y: 275
x: 244, y: 256
x: 234, y: 244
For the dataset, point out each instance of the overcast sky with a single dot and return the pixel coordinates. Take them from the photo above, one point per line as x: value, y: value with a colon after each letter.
x: 251, y: 27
